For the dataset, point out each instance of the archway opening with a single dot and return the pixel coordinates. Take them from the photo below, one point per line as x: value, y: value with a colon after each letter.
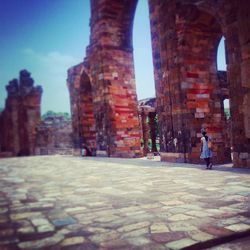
x: 86, y: 121
x: 144, y: 77
x: 143, y: 61
x: 225, y: 97
x: 192, y: 86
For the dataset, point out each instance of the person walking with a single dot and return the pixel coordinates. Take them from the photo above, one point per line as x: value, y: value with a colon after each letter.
x: 206, y: 152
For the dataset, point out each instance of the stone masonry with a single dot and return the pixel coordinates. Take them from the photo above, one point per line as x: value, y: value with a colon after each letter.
x: 54, y: 136
x: 20, y: 117
x: 110, y: 69
x: 185, y: 37
x: 82, y: 109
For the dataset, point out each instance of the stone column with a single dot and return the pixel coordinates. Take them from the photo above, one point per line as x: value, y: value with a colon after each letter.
x: 81, y: 103
x: 152, y: 128
x: 110, y: 60
x: 238, y: 47
x: 145, y: 131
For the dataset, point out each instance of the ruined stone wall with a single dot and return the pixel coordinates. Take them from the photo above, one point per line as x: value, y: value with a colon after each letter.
x: 20, y: 116
x: 189, y: 94
x: 185, y: 36
x: 54, y: 136
x: 82, y: 109
x: 110, y: 69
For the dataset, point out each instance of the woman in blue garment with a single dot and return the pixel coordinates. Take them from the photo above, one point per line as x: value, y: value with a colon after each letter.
x: 206, y: 152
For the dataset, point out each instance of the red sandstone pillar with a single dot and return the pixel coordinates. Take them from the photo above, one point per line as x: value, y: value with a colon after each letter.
x: 145, y: 131
x: 110, y: 60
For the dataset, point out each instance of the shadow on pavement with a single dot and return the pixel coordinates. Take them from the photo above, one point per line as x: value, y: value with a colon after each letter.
x: 144, y: 162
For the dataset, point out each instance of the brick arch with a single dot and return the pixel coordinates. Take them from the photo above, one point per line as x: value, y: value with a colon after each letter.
x: 233, y: 17
x: 82, y: 108
x: 201, y: 89
x: 182, y: 40
x: 110, y: 66
x: 112, y: 23
x: 111, y: 69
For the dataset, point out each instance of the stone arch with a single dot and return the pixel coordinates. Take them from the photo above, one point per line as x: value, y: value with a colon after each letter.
x: 173, y: 24
x: 200, y: 82
x: 110, y: 60
x: 178, y: 68
x: 82, y: 109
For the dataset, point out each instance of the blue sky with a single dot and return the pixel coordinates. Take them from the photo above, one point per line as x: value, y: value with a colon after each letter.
x: 47, y: 37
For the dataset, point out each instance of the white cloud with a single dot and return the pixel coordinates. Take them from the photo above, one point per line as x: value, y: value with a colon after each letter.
x: 50, y: 71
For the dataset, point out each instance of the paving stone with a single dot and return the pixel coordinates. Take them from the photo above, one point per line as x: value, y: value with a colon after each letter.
x: 198, y: 235
x: 197, y: 213
x: 75, y: 210
x: 181, y: 226
x: 45, y: 228
x: 238, y: 227
x: 43, y: 243
x: 72, y: 241
x: 105, y: 237
x: 123, y: 215
x: 132, y: 227
x: 179, y: 244
x: 217, y: 231
x: 172, y: 202
x: 20, y: 216
x: 232, y: 220
x: 39, y: 221
x: 106, y: 218
x: 115, y: 244
x: 136, y: 233
x: 180, y: 217
x: 26, y: 230
x: 139, y: 241
x: 64, y: 221
x: 159, y: 228
x: 167, y: 237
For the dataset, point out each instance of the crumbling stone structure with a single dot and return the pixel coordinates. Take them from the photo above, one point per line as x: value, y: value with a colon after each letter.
x: 185, y: 36
x: 54, y: 136
x: 82, y: 109
x: 20, y: 116
x: 185, y: 39
x: 108, y: 75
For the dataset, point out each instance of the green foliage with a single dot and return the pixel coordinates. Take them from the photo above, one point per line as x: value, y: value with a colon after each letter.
x: 227, y: 113
x: 50, y: 113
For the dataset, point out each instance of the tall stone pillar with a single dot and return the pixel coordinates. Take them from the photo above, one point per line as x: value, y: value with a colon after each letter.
x: 110, y: 60
x: 238, y: 50
x: 82, y: 110
x: 145, y: 131
x: 152, y: 128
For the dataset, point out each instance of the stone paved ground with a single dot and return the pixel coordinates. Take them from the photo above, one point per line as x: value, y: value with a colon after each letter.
x: 61, y: 202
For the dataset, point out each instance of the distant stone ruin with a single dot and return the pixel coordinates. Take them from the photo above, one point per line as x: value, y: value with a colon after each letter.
x: 20, y: 116
x: 54, y: 136
x: 22, y: 132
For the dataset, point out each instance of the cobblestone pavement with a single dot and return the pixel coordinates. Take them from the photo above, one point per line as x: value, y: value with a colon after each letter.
x: 58, y: 202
